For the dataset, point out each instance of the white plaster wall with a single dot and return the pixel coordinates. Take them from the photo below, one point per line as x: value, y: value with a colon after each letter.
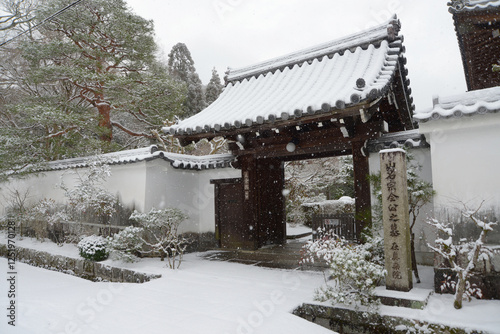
x: 176, y: 189
x: 126, y: 181
x: 187, y: 190
x: 37, y: 187
x: 141, y: 185
x: 465, y: 161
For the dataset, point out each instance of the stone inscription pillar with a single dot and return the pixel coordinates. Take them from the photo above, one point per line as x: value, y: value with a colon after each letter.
x: 396, y: 220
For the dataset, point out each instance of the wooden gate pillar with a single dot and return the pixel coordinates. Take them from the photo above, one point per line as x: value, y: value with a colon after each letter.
x: 250, y: 210
x: 361, y: 187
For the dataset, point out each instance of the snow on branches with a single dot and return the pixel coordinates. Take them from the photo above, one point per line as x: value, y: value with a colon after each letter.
x: 126, y: 244
x: 463, y: 257
x: 89, y: 193
x: 355, y: 269
x: 159, y: 234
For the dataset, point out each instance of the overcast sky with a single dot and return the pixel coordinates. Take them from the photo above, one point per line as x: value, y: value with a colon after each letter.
x: 238, y: 33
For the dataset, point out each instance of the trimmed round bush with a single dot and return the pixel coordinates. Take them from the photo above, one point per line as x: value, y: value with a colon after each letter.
x: 93, y: 248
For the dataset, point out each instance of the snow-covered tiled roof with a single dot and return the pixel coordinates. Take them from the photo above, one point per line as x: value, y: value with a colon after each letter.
x: 145, y: 154
x: 198, y: 162
x: 471, y: 103
x: 337, y: 74
x: 472, y: 5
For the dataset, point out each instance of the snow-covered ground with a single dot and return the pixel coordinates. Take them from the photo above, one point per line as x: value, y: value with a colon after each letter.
x: 201, y: 297
x: 293, y: 230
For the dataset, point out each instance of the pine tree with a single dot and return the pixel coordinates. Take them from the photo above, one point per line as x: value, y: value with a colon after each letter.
x: 181, y: 67
x: 214, y: 88
x: 87, y: 81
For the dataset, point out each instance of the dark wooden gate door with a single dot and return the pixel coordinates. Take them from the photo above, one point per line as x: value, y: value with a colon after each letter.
x: 233, y: 229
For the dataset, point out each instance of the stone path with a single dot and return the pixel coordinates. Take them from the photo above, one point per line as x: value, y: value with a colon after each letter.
x: 275, y: 256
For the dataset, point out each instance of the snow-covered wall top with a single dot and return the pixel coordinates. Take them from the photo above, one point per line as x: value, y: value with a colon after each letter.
x: 341, y: 73
x: 472, y: 5
x: 407, y: 139
x: 475, y: 102
x: 145, y: 154
x: 465, y: 154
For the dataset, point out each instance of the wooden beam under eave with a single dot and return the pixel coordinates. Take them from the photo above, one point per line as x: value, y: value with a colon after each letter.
x: 391, y: 116
x: 404, y: 101
x: 307, y: 133
x: 311, y: 151
x: 278, y: 124
x: 327, y: 142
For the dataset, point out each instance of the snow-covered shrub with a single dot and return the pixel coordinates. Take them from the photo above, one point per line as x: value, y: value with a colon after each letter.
x: 93, y: 248
x: 89, y: 194
x: 160, y: 234
x: 127, y: 243
x: 462, y: 257
x: 41, y: 217
x: 34, y: 220
x: 355, y: 269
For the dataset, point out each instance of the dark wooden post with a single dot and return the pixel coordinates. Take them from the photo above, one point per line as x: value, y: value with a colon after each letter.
x: 361, y: 187
x: 271, y: 176
x: 250, y: 210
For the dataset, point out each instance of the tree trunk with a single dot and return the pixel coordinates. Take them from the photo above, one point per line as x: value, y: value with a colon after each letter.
x: 104, y: 110
x: 414, y: 258
x: 459, y: 294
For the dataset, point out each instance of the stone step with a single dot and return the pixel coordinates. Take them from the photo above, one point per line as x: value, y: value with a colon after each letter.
x: 416, y: 298
x: 285, y: 257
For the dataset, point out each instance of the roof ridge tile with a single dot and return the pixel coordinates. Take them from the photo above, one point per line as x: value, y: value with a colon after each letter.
x: 388, y: 31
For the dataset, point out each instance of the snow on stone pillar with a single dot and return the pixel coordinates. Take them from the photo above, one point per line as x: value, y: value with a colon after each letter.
x: 396, y: 220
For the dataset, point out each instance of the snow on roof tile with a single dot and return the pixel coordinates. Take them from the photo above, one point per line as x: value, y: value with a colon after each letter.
x: 407, y: 139
x: 471, y: 103
x: 308, y: 81
x: 472, y: 5
x: 182, y: 161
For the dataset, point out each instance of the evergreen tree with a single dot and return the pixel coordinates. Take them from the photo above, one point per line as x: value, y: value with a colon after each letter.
x: 214, y: 87
x: 85, y: 74
x: 181, y: 67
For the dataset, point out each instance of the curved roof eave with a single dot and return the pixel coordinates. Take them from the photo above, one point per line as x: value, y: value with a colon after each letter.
x: 478, y: 102
x: 337, y: 75
x: 458, y: 6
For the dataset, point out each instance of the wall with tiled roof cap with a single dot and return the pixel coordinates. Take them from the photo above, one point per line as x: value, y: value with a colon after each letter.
x: 143, y: 179
x: 473, y: 103
x: 464, y: 134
